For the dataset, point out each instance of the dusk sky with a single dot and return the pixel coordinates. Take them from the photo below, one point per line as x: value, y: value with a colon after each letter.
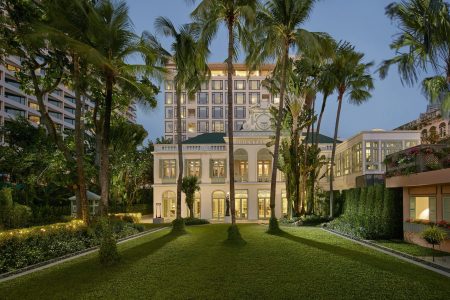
x: 361, y: 22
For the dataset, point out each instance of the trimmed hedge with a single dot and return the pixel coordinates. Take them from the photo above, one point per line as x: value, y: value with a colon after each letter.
x: 373, y: 212
x: 23, y: 247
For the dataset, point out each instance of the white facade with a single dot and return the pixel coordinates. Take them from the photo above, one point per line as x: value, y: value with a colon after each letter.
x: 362, y: 155
x: 205, y: 156
x: 207, y: 111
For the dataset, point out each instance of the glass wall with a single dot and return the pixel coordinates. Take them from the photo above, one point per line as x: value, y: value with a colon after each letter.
x: 372, y: 154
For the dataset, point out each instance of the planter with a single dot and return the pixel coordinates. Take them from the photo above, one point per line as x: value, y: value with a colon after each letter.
x: 414, y: 227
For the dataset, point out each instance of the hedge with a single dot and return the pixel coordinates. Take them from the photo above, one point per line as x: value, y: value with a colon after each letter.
x: 373, y: 212
x: 23, y: 247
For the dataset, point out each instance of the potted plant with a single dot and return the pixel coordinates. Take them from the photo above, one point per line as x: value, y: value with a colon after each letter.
x: 434, y: 236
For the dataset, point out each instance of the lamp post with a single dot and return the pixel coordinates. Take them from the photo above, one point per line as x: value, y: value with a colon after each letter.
x: 157, y: 218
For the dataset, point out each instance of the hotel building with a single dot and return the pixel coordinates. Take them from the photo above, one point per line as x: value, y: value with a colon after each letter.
x: 60, y: 103
x: 207, y: 111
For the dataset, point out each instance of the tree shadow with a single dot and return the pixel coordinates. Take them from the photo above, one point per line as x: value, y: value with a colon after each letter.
x: 381, y: 263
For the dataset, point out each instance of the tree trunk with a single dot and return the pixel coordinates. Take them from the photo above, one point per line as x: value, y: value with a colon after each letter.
x: 230, y: 119
x: 333, y: 151
x: 319, y: 122
x: 273, y: 181
x: 180, y: 153
x: 312, y: 171
x: 83, y: 210
x: 191, y: 210
x: 296, y: 166
x: 104, y: 155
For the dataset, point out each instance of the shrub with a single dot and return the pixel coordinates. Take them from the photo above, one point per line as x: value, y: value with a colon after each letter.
x: 6, y: 197
x: 108, y: 246
x: 129, y: 217
x: 433, y: 235
x: 15, y: 216
x: 178, y: 226
x: 371, y: 213
x: 195, y: 221
x: 23, y: 247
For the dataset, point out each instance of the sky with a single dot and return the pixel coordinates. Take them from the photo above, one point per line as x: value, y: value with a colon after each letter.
x: 363, y: 23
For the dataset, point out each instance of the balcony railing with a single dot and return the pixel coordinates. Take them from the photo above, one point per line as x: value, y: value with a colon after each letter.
x: 238, y: 178
x: 422, y: 158
x: 174, y: 148
x: 263, y: 178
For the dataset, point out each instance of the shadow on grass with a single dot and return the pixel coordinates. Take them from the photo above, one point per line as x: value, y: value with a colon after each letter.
x: 234, y: 238
x: 368, y: 259
x: 76, y: 273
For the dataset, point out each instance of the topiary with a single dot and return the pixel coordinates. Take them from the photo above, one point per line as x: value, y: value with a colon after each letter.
x: 434, y: 236
x: 178, y: 226
x: 108, y: 246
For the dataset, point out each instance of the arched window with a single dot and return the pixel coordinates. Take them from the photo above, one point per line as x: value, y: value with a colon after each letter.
x: 424, y: 134
x: 168, y: 204
x: 264, y: 165
x: 442, y: 130
x: 240, y: 165
x: 218, y: 205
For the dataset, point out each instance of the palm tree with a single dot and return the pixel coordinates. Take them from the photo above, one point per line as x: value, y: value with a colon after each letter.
x: 111, y: 42
x: 189, y: 186
x: 353, y: 80
x: 423, y: 43
x: 236, y: 15
x: 189, y: 56
x: 278, y: 30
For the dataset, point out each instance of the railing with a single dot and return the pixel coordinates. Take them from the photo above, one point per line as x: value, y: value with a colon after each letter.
x: 263, y: 178
x: 194, y: 148
x: 238, y: 178
x: 422, y: 158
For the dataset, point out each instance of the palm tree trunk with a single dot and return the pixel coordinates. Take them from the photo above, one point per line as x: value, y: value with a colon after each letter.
x: 273, y: 181
x: 230, y: 118
x: 296, y: 165
x: 319, y: 122
x: 312, y: 172
x: 180, y: 153
x: 333, y: 152
x: 83, y: 209
x: 104, y: 156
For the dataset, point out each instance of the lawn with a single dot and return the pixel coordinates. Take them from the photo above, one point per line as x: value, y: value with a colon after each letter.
x: 411, y: 249
x: 301, y: 263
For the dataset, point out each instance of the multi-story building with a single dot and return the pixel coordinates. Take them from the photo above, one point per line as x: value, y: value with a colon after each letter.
x: 207, y: 112
x: 206, y: 155
x: 60, y: 103
x: 433, y: 126
x: 360, y: 159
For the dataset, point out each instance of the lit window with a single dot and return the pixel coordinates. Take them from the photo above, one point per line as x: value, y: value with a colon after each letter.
x: 239, y: 98
x: 217, y: 84
x: 193, y: 167
x: 254, y: 98
x: 372, y: 152
x: 191, y: 127
x: 422, y: 208
x: 168, y: 168
x: 218, y: 126
x: 217, y: 168
x: 217, y: 98
x: 239, y: 84
x: 169, y: 98
x: 169, y: 85
x: 253, y: 84
x: 357, y: 157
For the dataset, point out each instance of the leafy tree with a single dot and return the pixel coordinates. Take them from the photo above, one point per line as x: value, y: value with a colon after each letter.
x: 351, y: 79
x: 189, y: 186
x: 278, y: 30
x: 236, y: 15
x: 423, y: 43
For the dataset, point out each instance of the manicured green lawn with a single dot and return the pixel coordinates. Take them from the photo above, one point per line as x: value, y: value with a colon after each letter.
x: 302, y: 263
x: 411, y: 249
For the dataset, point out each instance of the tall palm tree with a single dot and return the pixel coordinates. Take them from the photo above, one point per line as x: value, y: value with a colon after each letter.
x: 189, y: 56
x: 236, y: 15
x: 111, y: 42
x: 278, y: 31
x: 352, y: 79
x: 423, y: 43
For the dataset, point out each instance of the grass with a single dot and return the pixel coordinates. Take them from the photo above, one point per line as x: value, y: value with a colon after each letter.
x: 297, y: 263
x: 411, y: 249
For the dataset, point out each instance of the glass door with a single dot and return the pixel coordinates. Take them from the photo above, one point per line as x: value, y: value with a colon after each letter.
x: 218, y: 205
x: 263, y: 204
x: 241, y: 207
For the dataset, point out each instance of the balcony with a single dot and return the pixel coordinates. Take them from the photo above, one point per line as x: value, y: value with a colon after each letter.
x: 419, y: 159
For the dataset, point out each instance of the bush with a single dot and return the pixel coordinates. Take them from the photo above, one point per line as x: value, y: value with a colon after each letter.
x: 434, y: 235
x: 108, y: 245
x: 23, y: 247
x: 6, y: 197
x: 129, y: 217
x: 372, y: 212
x: 47, y: 214
x: 178, y: 226
x: 15, y: 216
x: 195, y: 221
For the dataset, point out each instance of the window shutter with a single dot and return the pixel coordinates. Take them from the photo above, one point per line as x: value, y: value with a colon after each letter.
x: 211, y: 168
x: 446, y: 207
x: 412, y: 207
x: 200, y: 169
x: 432, y: 205
x: 161, y: 168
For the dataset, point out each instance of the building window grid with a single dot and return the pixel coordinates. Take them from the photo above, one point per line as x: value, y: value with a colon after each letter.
x: 372, y: 155
x: 217, y: 85
x: 357, y: 157
x: 218, y: 168
x: 217, y: 98
x: 239, y: 85
x: 217, y: 112
x: 193, y: 167
x: 168, y: 168
x: 202, y: 112
x: 218, y: 126
x: 202, y: 126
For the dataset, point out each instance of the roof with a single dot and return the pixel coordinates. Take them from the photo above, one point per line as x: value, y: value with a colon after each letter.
x: 207, y: 138
x: 322, y: 139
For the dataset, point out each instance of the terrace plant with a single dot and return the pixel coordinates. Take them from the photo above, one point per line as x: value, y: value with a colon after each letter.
x: 434, y: 236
